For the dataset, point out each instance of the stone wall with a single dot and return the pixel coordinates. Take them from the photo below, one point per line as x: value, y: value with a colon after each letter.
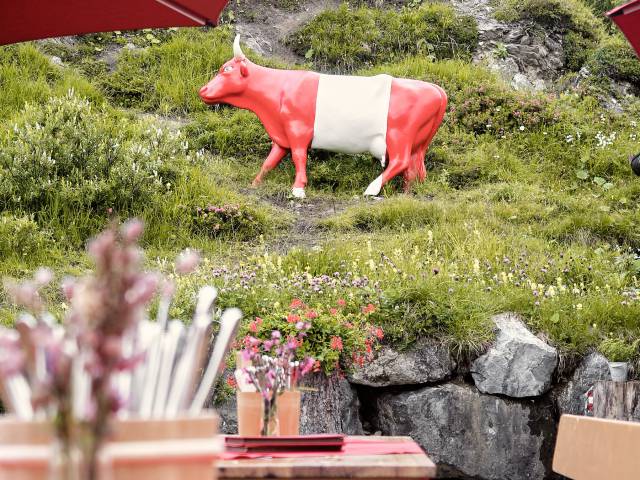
x: 493, y: 420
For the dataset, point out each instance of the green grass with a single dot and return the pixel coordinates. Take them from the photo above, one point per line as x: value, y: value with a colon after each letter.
x: 26, y: 75
x: 529, y: 204
x: 347, y: 38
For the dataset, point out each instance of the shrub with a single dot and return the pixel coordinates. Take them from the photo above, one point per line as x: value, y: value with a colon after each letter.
x: 68, y: 162
x: 618, y: 349
x: 20, y: 236
x: 616, y: 59
x: 498, y: 110
x: 347, y: 38
x: 340, y: 335
x: 227, y: 220
x: 600, y: 7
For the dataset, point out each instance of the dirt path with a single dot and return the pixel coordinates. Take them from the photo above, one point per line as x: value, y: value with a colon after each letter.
x: 305, y: 230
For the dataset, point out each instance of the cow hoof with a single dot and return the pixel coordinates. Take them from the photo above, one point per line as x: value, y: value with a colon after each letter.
x: 298, y: 192
x: 374, y: 188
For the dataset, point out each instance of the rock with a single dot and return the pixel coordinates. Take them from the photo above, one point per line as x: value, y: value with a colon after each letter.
x: 427, y: 362
x: 571, y: 396
x: 226, y: 408
x: 333, y: 406
x: 56, y: 61
x: 470, y: 435
x: 538, y: 59
x: 518, y: 365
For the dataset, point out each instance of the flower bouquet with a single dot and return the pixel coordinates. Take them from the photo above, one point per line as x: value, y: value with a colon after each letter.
x: 271, y: 370
x: 106, y: 358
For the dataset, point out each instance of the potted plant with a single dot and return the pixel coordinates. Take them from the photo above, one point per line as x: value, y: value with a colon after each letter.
x: 618, y: 352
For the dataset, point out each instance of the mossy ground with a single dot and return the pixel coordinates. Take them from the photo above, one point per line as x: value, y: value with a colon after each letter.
x: 529, y: 204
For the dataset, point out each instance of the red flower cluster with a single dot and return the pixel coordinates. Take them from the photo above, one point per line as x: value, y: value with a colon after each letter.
x: 336, y: 343
x: 369, y: 308
x: 255, y: 325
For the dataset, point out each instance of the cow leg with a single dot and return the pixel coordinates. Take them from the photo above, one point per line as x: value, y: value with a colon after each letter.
x: 275, y: 156
x: 299, y: 156
x: 398, y: 164
x: 413, y: 172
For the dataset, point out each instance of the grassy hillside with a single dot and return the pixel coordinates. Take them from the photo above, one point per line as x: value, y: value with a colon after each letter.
x: 529, y: 205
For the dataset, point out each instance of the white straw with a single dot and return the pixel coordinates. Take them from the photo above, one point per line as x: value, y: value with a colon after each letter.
x: 228, y: 328
x: 188, y: 365
x: 169, y: 348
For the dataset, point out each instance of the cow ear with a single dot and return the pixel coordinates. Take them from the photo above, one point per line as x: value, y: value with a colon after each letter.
x: 244, y: 70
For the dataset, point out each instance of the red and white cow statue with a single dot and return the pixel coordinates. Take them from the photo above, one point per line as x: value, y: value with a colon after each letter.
x: 394, y: 119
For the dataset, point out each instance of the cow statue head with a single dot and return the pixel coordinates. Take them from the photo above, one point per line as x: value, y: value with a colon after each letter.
x: 231, y: 80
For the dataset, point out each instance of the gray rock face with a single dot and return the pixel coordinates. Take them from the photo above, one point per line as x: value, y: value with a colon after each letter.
x: 428, y: 362
x: 571, y: 396
x: 526, y: 61
x: 333, y: 406
x: 226, y: 408
x: 470, y: 435
x: 518, y: 365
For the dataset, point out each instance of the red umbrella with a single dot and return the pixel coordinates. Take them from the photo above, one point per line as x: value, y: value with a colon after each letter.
x: 22, y: 20
x: 627, y: 17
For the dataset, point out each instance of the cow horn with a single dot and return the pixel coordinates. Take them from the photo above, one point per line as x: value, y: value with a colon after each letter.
x: 237, y: 51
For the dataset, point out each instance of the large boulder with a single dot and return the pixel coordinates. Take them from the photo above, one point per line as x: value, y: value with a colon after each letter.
x: 329, y: 405
x: 571, y: 396
x: 518, y: 365
x: 429, y: 361
x: 470, y: 435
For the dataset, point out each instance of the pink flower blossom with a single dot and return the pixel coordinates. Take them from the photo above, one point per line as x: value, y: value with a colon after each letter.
x: 132, y: 230
x: 187, y: 262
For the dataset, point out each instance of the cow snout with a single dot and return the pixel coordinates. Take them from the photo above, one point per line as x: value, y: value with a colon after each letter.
x: 203, y: 91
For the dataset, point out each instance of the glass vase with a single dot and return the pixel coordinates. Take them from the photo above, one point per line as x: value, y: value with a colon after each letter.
x: 270, y: 425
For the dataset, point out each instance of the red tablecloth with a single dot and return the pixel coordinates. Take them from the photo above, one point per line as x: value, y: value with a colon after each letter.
x: 352, y: 446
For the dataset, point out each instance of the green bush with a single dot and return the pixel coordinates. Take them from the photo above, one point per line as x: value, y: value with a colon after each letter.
x: 228, y: 220
x: 348, y: 38
x: 600, y: 7
x: 498, y: 110
x: 20, y: 236
x: 561, y: 14
x: 618, y: 349
x: 67, y: 161
x: 616, y: 59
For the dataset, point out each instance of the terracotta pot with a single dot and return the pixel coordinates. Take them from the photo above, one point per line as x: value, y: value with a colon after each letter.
x: 184, y: 448
x: 249, y: 407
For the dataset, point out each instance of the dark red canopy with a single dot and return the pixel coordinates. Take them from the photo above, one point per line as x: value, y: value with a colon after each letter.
x: 627, y: 17
x: 22, y: 20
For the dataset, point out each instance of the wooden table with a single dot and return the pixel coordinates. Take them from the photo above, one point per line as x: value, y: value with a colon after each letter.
x: 332, y: 467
